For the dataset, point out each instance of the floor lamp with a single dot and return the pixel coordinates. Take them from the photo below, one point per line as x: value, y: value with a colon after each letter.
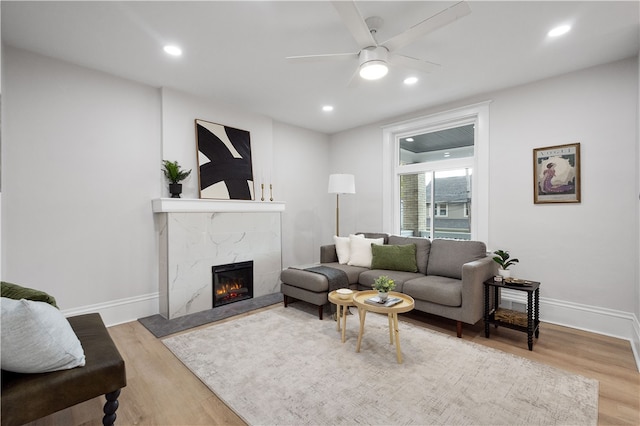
x: 341, y: 184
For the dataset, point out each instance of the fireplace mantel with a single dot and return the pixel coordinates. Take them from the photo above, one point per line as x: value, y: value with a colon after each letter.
x: 195, y: 205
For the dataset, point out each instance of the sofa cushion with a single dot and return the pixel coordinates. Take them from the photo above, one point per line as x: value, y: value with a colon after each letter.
x: 17, y: 292
x: 375, y: 235
x: 361, y: 251
x: 423, y: 247
x: 394, y: 257
x: 367, y: 277
x: 343, y: 247
x: 37, y: 338
x: 435, y: 289
x: 447, y: 256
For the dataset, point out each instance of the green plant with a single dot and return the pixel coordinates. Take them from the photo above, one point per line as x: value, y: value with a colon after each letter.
x: 384, y: 284
x: 503, y: 259
x: 173, y: 171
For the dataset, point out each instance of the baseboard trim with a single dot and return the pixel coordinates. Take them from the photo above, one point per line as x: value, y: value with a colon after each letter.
x: 608, y: 322
x: 122, y: 310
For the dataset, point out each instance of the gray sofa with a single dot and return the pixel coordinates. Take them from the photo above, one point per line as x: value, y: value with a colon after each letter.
x: 447, y: 283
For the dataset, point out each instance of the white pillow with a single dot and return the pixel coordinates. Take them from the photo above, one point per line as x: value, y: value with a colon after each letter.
x: 360, y: 254
x: 343, y: 245
x: 37, y: 338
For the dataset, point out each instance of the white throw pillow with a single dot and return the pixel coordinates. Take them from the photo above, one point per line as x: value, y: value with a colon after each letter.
x: 37, y: 338
x: 360, y: 254
x: 343, y: 247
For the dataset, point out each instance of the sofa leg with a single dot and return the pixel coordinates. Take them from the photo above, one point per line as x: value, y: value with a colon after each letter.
x: 459, y: 328
x: 110, y: 408
x: 320, y: 311
x: 286, y: 300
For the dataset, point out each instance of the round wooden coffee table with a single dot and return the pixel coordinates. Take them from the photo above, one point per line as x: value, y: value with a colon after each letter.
x: 342, y: 305
x: 407, y: 304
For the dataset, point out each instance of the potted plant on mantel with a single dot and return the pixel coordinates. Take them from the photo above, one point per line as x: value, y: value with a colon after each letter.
x: 174, y: 174
x: 503, y: 259
x: 384, y: 285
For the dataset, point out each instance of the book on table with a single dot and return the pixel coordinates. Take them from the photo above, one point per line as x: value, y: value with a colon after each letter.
x: 375, y: 300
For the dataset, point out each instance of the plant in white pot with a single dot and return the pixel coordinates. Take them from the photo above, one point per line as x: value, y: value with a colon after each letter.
x: 174, y: 174
x: 503, y: 259
x: 384, y: 285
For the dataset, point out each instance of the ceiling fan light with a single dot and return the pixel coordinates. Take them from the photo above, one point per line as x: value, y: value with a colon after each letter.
x: 373, y: 70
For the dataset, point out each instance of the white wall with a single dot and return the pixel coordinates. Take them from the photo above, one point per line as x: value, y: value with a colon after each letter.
x: 586, y: 255
x: 81, y: 155
x: 359, y: 152
x: 301, y: 169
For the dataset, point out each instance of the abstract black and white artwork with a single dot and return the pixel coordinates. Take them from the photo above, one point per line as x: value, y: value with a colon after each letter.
x: 224, y: 162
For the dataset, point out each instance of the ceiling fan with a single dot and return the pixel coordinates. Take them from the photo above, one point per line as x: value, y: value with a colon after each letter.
x: 375, y: 57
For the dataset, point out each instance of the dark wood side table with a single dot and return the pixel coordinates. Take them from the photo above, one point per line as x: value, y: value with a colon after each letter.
x: 528, y: 322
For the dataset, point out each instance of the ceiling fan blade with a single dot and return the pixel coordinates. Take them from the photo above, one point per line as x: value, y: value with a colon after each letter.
x: 327, y: 57
x: 355, y: 23
x: 413, y: 63
x: 431, y: 24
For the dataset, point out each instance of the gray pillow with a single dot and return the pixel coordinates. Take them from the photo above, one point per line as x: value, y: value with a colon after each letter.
x: 448, y: 256
x: 37, y: 338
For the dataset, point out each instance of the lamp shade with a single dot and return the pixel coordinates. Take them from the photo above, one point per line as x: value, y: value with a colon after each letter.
x: 342, y: 184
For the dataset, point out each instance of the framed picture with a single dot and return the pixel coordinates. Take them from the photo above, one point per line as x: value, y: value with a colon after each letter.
x: 556, y: 174
x: 224, y: 162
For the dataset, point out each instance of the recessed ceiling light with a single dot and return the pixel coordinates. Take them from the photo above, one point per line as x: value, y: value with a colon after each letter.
x: 410, y: 80
x: 172, y: 50
x: 558, y: 31
x: 409, y: 139
x: 327, y: 108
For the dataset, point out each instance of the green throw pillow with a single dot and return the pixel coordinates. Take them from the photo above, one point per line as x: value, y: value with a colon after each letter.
x: 14, y: 291
x: 394, y: 258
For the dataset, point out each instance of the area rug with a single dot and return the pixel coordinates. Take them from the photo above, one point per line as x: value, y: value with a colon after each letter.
x: 285, y: 367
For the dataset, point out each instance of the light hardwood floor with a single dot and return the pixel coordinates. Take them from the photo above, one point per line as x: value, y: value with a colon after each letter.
x: 162, y: 391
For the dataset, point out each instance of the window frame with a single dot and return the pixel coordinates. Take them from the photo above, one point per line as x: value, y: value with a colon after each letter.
x: 477, y: 114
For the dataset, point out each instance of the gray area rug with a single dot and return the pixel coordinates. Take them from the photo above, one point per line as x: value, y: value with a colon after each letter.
x: 285, y: 367
x: 161, y: 327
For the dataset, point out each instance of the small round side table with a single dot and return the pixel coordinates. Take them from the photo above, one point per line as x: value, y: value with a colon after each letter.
x: 342, y: 305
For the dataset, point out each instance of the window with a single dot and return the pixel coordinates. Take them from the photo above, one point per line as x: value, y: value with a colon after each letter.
x: 442, y: 209
x: 435, y: 175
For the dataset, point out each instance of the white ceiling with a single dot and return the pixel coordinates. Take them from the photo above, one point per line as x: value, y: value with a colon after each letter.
x: 234, y: 52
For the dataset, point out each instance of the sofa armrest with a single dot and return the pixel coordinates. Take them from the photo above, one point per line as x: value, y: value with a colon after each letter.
x: 328, y: 254
x: 473, y: 275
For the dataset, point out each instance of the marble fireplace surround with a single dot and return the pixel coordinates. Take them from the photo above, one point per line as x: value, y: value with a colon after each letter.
x: 196, y: 234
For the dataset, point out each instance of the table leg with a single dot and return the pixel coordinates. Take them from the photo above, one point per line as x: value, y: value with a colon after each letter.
x: 397, y: 333
x: 390, y: 317
x: 338, y: 307
x: 486, y: 311
x: 536, y: 302
x: 530, y: 320
x: 344, y: 322
x: 362, y: 313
